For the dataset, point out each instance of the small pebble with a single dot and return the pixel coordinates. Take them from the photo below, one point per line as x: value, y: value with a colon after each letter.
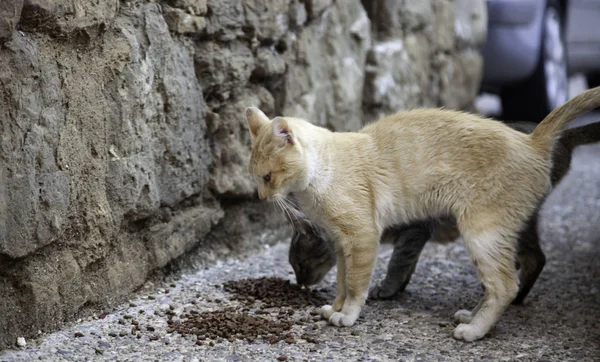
x: 78, y: 334
x: 21, y: 342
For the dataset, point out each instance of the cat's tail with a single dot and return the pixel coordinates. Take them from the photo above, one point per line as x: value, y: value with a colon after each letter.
x: 546, y: 134
x: 583, y: 135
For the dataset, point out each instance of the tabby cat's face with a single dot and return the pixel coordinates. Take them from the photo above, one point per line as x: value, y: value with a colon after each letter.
x: 311, y: 255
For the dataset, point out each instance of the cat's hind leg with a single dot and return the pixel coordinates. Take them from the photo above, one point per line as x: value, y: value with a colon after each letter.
x: 531, y: 258
x: 408, y: 244
x: 493, y: 253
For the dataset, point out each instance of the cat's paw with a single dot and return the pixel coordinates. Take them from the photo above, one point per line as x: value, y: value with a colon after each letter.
x: 468, y: 332
x: 381, y: 292
x: 340, y: 319
x: 326, y: 311
x: 463, y: 316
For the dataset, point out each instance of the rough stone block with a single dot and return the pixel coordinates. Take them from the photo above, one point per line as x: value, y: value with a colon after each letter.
x: 66, y: 16
x: 470, y: 26
x: 195, y: 7
x: 181, y: 22
x: 316, y: 7
x: 10, y: 13
x: 397, y: 73
x: 231, y: 144
x: 222, y: 68
x: 268, y: 19
x: 326, y: 68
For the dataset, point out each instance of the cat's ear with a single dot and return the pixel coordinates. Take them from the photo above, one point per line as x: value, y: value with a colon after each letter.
x: 256, y: 118
x: 282, y: 129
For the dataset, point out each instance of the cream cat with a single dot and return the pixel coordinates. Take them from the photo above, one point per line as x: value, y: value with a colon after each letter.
x: 410, y: 166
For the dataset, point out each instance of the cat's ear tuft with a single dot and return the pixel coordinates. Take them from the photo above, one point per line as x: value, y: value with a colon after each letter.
x: 256, y: 118
x: 281, y: 128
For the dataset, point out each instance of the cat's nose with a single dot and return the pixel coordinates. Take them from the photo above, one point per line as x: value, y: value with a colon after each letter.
x: 262, y: 195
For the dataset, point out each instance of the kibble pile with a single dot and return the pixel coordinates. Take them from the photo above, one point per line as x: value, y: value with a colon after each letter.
x: 273, y: 293
x: 230, y: 324
x: 271, y: 297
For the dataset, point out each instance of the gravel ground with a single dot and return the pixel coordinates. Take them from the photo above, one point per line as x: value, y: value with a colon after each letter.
x: 560, y: 320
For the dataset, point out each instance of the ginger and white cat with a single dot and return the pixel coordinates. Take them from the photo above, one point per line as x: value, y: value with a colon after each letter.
x: 312, y: 254
x: 413, y: 165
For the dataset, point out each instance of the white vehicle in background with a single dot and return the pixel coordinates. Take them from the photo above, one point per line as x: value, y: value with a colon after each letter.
x: 531, y: 49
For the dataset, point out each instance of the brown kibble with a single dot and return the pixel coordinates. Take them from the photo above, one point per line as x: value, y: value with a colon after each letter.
x: 282, y: 358
x: 199, y: 343
x: 78, y: 334
x: 273, y: 296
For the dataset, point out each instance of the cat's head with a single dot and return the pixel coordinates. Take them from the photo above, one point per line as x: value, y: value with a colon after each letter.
x: 278, y: 162
x: 311, y: 254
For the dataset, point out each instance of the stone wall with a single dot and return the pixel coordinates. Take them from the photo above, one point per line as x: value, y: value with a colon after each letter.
x: 123, y: 142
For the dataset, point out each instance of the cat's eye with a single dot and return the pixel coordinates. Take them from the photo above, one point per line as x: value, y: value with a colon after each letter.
x: 267, y: 177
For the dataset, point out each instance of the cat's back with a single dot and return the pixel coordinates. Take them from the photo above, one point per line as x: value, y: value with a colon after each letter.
x: 432, y: 143
x: 446, y: 131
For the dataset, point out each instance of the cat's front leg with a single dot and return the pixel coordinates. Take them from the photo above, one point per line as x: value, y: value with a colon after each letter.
x: 327, y: 310
x: 408, y: 244
x: 359, y: 254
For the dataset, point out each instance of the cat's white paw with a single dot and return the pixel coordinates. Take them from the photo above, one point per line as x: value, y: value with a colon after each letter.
x: 340, y: 319
x: 326, y: 311
x: 463, y: 316
x: 468, y: 332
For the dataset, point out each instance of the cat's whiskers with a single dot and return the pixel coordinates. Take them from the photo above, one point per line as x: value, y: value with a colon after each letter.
x: 279, y: 201
x: 292, y: 208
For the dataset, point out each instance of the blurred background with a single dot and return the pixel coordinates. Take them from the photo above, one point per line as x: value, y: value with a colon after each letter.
x: 537, y: 54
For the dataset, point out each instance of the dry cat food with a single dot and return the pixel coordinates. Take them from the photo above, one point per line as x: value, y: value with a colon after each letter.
x: 266, y: 296
x: 273, y: 293
x: 230, y: 324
